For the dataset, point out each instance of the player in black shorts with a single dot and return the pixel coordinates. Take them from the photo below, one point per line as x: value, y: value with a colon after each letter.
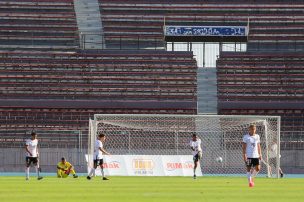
x: 32, y: 154
x: 99, y: 151
x: 252, y: 154
x: 195, y: 145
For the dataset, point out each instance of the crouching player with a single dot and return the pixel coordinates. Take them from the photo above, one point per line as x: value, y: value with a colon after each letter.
x: 64, y: 168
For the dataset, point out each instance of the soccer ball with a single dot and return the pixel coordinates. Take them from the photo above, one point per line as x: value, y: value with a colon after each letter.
x: 219, y: 159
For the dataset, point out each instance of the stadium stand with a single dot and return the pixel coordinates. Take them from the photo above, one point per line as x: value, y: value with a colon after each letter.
x: 48, y: 83
x: 63, y: 90
x: 39, y: 25
x: 274, y: 25
x: 264, y: 84
x: 268, y: 77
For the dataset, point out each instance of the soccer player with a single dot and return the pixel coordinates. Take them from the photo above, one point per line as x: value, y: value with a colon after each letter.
x: 32, y: 155
x: 195, y: 145
x: 252, y: 153
x: 98, y: 156
x: 64, y: 168
x: 273, y: 152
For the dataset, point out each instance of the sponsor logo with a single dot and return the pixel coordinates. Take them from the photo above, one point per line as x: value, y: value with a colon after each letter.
x: 171, y: 166
x: 112, y: 165
x: 143, y: 166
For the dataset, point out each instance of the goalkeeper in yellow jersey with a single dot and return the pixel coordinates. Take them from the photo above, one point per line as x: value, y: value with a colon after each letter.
x: 65, y: 168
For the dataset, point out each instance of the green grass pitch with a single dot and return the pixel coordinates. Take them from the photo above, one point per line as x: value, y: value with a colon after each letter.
x: 146, y: 189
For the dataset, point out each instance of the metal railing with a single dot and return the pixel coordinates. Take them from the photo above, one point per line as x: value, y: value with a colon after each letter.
x: 136, y: 42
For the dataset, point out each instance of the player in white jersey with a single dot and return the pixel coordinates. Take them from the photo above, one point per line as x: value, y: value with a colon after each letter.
x: 273, y: 152
x: 252, y: 154
x: 195, y: 145
x: 98, y: 156
x: 32, y: 155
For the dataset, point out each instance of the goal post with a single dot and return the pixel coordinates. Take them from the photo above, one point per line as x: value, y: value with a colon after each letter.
x: 91, y: 141
x: 221, y: 135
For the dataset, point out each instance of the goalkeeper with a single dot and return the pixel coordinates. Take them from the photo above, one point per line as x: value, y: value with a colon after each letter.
x: 64, y: 168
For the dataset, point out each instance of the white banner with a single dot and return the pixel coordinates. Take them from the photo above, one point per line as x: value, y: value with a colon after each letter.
x: 149, y: 165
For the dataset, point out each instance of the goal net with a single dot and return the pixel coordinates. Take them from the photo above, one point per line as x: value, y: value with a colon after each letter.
x: 221, y: 136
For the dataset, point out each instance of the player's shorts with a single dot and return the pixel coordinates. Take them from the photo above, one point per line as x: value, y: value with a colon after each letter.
x: 197, y: 157
x: 272, y: 162
x: 98, y: 162
x: 252, y: 162
x: 31, y: 160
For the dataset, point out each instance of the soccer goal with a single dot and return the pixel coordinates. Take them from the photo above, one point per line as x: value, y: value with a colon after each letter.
x: 221, y: 135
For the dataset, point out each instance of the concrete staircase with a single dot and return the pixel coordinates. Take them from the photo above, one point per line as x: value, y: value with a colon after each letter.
x: 207, y: 90
x: 89, y: 24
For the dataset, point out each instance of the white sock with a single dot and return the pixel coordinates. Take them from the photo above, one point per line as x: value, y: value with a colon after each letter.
x: 92, y: 172
x: 254, y: 173
x: 249, y: 176
x: 102, y: 172
x: 27, y: 172
x: 37, y: 170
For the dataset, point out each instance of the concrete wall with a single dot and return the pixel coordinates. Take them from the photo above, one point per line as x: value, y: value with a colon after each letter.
x: 207, y: 90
